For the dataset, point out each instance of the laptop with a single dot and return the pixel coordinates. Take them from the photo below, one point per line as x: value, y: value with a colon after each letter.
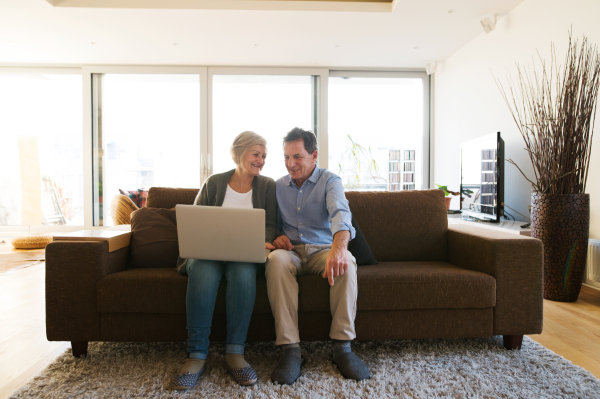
x: 225, y: 234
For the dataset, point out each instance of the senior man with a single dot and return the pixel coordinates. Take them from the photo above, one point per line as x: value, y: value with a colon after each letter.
x: 314, y: 226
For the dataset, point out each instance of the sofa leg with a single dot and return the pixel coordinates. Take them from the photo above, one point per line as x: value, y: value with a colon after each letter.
x: 512, y: 342
x: 79, y: 349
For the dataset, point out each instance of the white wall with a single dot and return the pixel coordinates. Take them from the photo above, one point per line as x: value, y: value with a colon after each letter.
x: 468, y: 103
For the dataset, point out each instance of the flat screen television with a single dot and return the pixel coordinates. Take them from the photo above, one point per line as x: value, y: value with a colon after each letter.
x: 482, y: 178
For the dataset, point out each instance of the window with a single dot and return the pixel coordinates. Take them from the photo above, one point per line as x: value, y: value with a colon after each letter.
x: 41, y: 156
x: 148, y: 135
x: 265, y: 104
x: 377, y: 133
x: 73, y: 138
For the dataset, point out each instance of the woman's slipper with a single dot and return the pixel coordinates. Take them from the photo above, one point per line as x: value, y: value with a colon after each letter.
x: 184, y: 381
x: 245, y: 376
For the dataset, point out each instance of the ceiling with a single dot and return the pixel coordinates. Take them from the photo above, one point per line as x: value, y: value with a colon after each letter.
x: 409, y: 34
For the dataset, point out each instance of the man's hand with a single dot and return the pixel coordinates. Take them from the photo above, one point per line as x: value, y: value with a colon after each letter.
x: 337, y: 260
x: 336, y: 264
x: 282, y: 242
x: 270, y: 246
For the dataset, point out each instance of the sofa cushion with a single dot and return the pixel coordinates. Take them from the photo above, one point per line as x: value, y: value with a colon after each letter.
x: 147, y: 290
x: 161, y: 290
x: 359, y: 247
x: 423, y: 285
x: 403, y: 225
x: 407, y: 285
x: 163, y: 197
x: 387, y: 286
x: 154, y: 238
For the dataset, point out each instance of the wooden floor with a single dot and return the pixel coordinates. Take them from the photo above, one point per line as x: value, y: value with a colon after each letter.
x: 573, y: 329
x: 24, y: 349
x: 570, y: 329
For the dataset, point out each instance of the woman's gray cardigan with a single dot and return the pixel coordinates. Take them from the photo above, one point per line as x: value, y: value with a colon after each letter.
x: 213, y: 191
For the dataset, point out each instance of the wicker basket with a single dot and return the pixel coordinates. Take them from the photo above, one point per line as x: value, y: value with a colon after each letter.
x: 37, y: 241
x: 121, y: 208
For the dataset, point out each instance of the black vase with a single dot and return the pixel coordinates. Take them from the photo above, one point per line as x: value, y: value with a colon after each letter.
x: 562, y: 223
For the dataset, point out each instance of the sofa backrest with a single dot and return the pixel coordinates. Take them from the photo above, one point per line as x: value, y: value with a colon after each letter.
x: 399, y: 226
x: 402, y: 225
x: 163, y: 197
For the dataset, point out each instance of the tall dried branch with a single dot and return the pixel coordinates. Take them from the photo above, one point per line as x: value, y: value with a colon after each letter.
x: 555, y: 112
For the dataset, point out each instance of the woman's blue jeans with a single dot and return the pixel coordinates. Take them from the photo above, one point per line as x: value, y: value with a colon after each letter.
x: 204, y: 277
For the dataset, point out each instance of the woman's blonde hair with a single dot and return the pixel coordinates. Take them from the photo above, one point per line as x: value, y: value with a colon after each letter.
x: 243, y: 142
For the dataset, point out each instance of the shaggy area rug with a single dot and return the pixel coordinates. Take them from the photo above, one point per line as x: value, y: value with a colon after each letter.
x: 453, y: 368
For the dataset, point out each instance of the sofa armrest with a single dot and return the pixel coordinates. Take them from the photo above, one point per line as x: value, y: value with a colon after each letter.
x: 72, y: 270
x: 516, y: 262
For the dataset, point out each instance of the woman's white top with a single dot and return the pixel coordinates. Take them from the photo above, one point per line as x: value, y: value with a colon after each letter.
x: 233, y: 199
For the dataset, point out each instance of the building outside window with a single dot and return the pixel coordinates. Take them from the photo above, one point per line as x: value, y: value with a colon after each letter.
x: 376, y: 132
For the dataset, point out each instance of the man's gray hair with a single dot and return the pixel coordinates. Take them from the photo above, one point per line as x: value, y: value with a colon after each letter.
x: 307, y: 136
x: 243, y: 142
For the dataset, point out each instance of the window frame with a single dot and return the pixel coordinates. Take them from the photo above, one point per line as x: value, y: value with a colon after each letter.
x: 4, y: 70
x: 205, y: 74
x: 320, y: 108
x: 426, y: 162
x: 90, y: 127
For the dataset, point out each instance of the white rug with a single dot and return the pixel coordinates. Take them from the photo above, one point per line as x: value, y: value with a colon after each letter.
x: 459, y: 368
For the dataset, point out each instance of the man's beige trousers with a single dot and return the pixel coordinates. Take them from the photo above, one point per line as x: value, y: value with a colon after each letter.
x: 283, y: 267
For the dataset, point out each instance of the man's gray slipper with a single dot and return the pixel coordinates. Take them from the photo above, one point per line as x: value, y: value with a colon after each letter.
x: 351, y: 366
x: 287, y: 370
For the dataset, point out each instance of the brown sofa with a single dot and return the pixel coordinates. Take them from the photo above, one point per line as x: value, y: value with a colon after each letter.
x: 432, y: 281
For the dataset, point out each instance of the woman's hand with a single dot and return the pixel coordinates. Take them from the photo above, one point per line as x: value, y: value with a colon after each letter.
x: 270, y: 246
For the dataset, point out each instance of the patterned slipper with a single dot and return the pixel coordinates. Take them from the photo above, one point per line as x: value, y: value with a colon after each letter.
x: 185, y: 381
x: 245, y: 376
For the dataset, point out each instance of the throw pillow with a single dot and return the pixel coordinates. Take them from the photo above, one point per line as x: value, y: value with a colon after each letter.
x: 359, y: 247
x: 142, y: 197
x: 153, y: 238
x: 138, y: 196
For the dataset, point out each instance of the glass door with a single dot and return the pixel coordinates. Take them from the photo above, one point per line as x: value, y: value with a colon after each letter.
x: 147, y: 132
x: 378, y: 130
x: 41, y: 155
x: 268, y: 102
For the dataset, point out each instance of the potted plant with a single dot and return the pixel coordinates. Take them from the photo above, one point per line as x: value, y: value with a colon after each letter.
x: 554, y: 111
x: 447, y: 193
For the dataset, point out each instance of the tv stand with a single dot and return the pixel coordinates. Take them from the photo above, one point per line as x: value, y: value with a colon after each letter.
x: 507, y: 226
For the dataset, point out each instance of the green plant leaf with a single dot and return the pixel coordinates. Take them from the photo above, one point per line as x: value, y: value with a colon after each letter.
x: 444, y: 188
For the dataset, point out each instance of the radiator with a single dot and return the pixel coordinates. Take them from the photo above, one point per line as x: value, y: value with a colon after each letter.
x: 592, y: 272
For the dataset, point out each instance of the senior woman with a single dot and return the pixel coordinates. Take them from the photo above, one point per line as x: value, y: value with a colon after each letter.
x: 242, y: 187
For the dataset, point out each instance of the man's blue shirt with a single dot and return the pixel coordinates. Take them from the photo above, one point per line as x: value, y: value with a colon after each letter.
x: 313, y: 213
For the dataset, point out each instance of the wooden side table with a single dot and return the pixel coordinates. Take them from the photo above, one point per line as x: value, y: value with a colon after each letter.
x: 116, y: 239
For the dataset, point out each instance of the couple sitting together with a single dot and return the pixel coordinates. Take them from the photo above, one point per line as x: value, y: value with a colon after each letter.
x: 308, y: 227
